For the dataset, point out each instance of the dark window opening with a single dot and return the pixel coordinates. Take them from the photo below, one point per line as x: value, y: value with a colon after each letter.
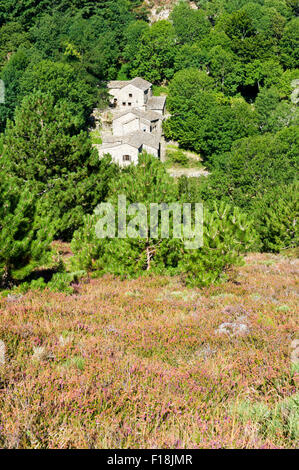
x: 130, y: 95
x: 126, y: 158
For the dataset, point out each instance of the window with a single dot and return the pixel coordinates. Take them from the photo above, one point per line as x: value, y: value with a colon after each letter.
x: 126, y: 158
x: 124, y: 104
x: 130, y: 95
x: 129, y: 104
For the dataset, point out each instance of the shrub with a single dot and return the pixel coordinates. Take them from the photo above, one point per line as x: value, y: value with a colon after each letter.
x: 24, y: 236
x: 280, y: 419
x: 227, y: 233
x: 277, y: 215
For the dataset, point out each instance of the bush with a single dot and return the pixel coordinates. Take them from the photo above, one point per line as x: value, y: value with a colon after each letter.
x: 24, y: 236
x: 280, y: 419
x: 227, y: 233
x: 277, y: 216
x: 178, y: 157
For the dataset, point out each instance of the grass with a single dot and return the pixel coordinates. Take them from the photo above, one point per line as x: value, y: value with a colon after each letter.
x: 138, y: 363
x: 178, y: 158
x: 160, y: 90
x: 96, y: 137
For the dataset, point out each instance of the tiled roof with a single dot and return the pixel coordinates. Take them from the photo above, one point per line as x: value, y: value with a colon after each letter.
x: 156, y: 102
x: 138, y: 138
x: 135, y: 139
x: 147, y: 115
x: 141, y: 83
x: 117, y: 83
x: 137, y: 82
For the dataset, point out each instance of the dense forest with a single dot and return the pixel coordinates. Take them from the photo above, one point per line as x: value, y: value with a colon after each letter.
x: 229, y: 70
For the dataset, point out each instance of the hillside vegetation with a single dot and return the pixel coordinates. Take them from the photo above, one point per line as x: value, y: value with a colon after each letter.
x: 146, y: 363
x: 139, y: 341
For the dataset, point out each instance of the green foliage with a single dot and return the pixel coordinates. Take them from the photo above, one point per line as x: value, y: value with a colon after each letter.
x: 12, y: 36
x: 190, y: 25
x: 225, y: 69
x: 11, y: 74
x: 60, y: 282
x: 289, y: 44
x: 146, y: 182
x: 227, y: 234
x: 190, y: 56
x: 274, y: 114
x: 277, y: 218
x: 60, y: 81
x: 45, y: 148
x: 263, y: 73
x: 187, y: 86
x: 28, y: 11
x: 133, y: 34
x: 178, y: 157
x: 280, y: 418
x: 24, y: 236
x: 203, y: 120
x: 155, y: 53
x: 253, y: 166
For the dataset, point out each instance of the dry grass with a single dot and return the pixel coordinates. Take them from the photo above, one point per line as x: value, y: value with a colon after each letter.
x: 140, y: 364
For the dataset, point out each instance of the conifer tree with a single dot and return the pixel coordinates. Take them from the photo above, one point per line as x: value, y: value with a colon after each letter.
x: 45, y: 149
x: 227, y: 233
x: 24, y: 236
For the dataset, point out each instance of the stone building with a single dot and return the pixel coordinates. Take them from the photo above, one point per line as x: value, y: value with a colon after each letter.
x: 125, y: 150
x: 127, y: 94
x: 137, y: 121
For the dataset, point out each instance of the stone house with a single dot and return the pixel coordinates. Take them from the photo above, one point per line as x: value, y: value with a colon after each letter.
x: 125, y: 150
x: 126, y: 94
x: 137, y: 121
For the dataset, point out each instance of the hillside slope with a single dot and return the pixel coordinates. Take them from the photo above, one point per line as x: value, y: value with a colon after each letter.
x: 149, y: 364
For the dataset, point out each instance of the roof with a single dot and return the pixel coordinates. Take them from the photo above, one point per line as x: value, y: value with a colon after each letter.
x: 135, y: 139
x: 147, y: 115
x: 156, y: 102
x: 138, y: 138
x: 141, y: 83
x: 117, y: 83
x: 137, y: 82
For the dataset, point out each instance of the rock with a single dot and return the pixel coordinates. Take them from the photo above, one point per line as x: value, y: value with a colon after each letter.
x: 2, y: 352
x: 158, y: 14
x: 39, y: 353
x: 233, y: 329
x: 64, y: 340
x: 13, y: 297
x: 206, y: 351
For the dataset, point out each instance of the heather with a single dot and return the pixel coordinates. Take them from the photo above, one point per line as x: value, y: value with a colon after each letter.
x: 140, y: 342
x: 151, y: 363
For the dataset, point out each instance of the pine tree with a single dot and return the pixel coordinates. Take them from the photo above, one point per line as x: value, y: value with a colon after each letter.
x: 24, y: 237
x: 227, y: 233
x: 277, y: 215
x: 45, y: 148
